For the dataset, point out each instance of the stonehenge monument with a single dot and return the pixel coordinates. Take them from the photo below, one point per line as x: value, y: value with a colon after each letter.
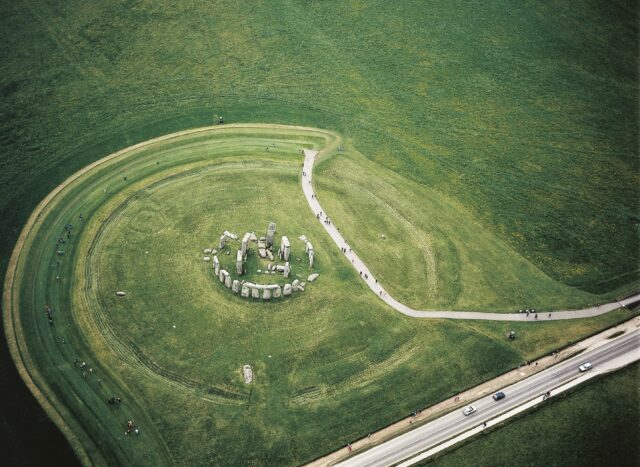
x: 265, y: 248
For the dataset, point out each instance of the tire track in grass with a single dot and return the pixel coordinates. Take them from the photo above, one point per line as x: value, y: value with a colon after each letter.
x: 126, y: 349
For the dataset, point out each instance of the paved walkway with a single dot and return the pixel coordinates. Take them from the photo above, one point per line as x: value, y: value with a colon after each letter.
x: 372, y: 282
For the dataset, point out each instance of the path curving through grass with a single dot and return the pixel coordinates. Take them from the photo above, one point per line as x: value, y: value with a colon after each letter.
x: 368, y: 277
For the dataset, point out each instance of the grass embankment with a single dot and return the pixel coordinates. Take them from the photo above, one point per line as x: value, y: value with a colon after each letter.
x: 595, y: 425
x: 324, y: 360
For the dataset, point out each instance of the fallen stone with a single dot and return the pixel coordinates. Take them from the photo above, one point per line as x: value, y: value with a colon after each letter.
x: 121, y: 294
x: 207, y: 258
x: 232, y: 236
x: 222, y: 242
x: 269, y: 255
x: 262, y: 252
x: 216, y: 265
x: 213, y: 252
x: 313, y: 277
x: 303, y: 238
x: 253, y: 237
x: 207, y: 251
x: 286, y: 270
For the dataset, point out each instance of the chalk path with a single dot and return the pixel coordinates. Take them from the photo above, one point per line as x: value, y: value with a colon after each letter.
x: 370, y: 280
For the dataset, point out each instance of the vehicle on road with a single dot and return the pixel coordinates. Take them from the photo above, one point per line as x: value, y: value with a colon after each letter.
x: 499, y: 395
x: 585, y: 367
x: 469, y: 410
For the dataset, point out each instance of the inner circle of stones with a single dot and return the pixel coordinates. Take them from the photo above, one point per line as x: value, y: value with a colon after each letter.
x: 265, y: 247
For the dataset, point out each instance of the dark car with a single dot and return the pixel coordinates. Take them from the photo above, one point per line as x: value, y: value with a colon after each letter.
x: 499, y: 395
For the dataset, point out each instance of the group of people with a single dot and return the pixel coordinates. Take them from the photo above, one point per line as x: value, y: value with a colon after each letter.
x: 49, y: 312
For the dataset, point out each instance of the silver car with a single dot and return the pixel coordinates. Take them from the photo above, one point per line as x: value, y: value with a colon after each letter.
x: 469, y: 410
x: 585, y: 367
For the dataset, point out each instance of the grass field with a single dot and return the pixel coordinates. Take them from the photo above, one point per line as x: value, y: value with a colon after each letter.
x: 323, y: 359
x: 498, y: 143
x: 597, y: 424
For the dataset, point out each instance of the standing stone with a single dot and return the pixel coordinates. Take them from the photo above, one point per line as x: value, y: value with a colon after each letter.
x: 235, y: 286
x: 255, y: 293
x: 308, y: 247
x: 245, y: 243
x: 271, y: 231
x: 295, y: 284
x: 269, y: 255
x: 239, y: 262
x: 286, y: 269
x: 310, y: 258
x: 216, y: 265
x: 266, y: 294
x: 262, y: 252
x: 287, y: 290
x: 245, y: 290
x: 285, y: 249
x: 222, y: 242
x: 223, y: 275
x: 227, y: 281
x: 277, y: 292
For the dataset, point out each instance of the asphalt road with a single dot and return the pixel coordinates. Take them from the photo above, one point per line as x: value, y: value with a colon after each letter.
x: 611, y: 355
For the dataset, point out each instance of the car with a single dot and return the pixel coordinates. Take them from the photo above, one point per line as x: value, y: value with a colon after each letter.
x: 469, y: 410
x: 585, y: 367
x: 499, y: 395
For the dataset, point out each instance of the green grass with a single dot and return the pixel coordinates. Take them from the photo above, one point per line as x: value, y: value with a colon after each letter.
x: 596, y: 424
x: 521, y: 118
x: 525, y: 114
x: 324, y: 360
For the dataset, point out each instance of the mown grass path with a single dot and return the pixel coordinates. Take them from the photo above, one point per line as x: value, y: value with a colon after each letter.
x: 375, y: 286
